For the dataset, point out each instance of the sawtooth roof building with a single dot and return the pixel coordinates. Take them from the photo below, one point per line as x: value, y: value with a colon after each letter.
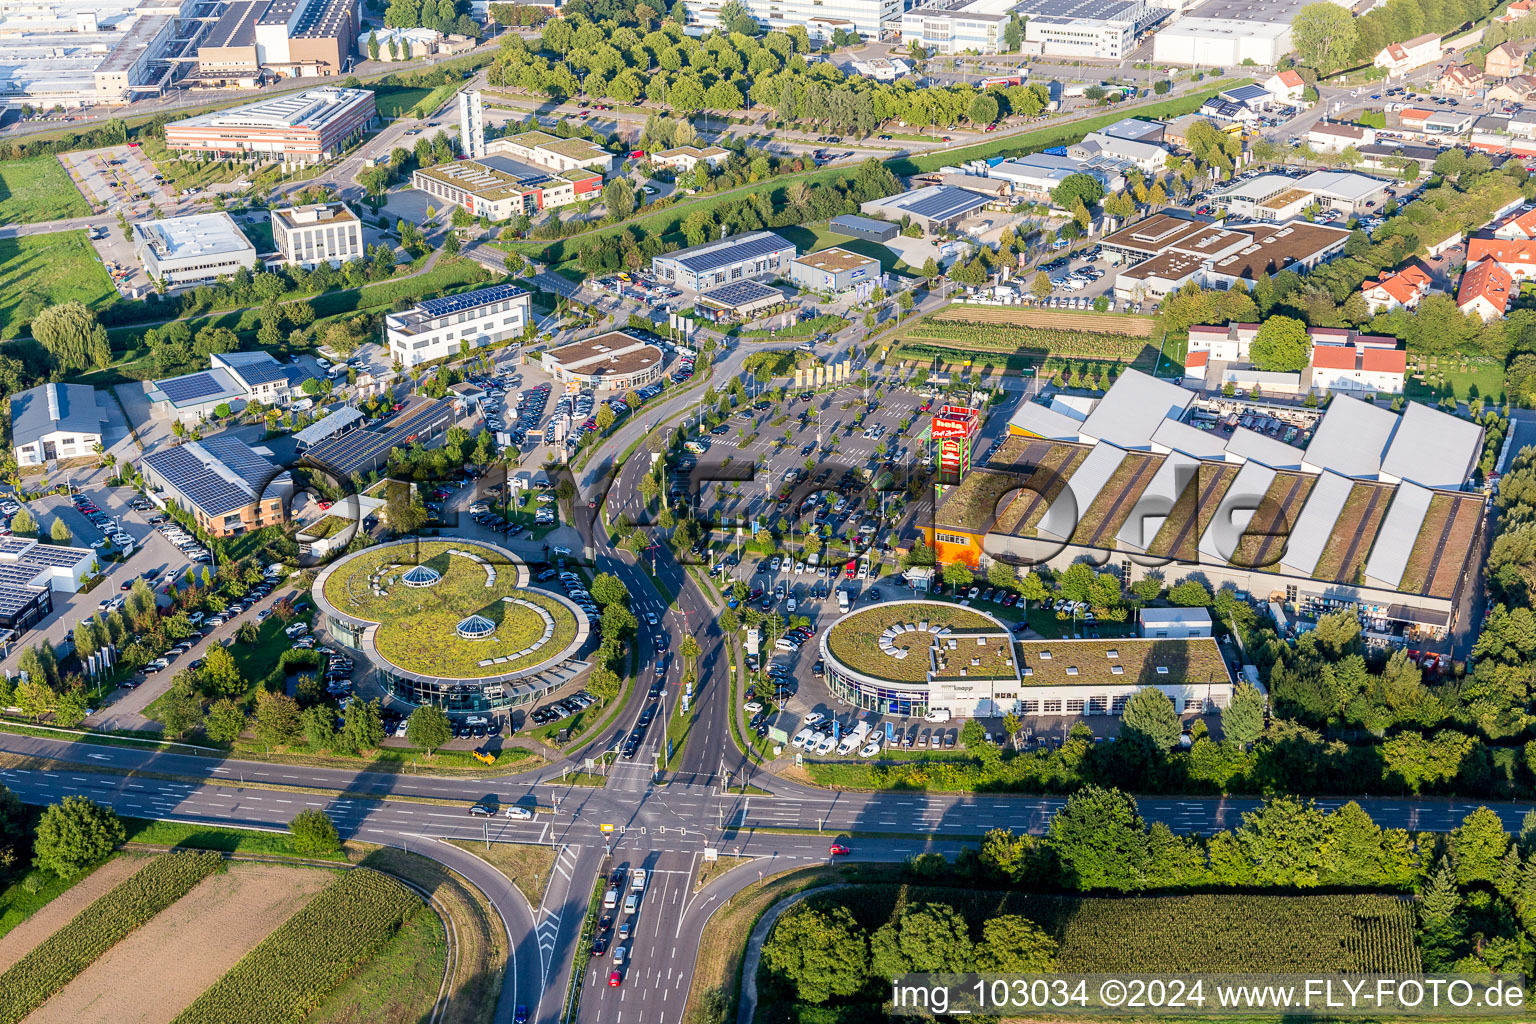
x: 1372, y: 514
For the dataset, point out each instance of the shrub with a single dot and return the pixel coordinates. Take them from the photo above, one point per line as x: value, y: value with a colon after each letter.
x: 314, y: 833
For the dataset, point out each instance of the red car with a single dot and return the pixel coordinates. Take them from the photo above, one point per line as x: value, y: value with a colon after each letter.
x: 839, y: 850
x: 325, y: 505
x: 398, y: 406
x: 614, y: 979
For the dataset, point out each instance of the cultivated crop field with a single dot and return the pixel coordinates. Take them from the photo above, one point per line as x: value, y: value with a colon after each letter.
x: 1057, y: 319
x: 36, y: 189
x: 1032, y: 345
x: 1210, y: 933
x: 203, y: 934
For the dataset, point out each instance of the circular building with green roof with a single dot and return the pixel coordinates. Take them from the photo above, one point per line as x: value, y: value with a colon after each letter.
x: 911, y: 657
x: 451, y: 622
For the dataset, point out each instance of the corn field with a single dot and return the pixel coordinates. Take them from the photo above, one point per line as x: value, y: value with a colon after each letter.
x: 293, y: 969
x: 56, y: 961
x: 1064, y: 319
x: 1047, y: 341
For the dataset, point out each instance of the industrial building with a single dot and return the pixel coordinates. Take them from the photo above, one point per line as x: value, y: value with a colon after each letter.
x: 296, y: 128
x: 1279, y: 197
x: 867, y: 228
x: 820, y: 18
x: 1095, y: 29
x: 741, y: 301
x: 226, y: 485
x: 552, y: 152
x: 744, y: 257
x: 609, y: 362
x: 75, y: 53
x: 55, y: 421
x: 1222, y: 42
x: 435, y: 328
x: 495, y: 194
x: 289, y: 38
x: 357, y: 453
x: 197, y: 247
x: 833, y: 271
x: 1372, y: 514
x: 1159, y: 254
x: 307, y: 236
x: 934, y: 208
x: 1036, y: 175
x: 232, y: 379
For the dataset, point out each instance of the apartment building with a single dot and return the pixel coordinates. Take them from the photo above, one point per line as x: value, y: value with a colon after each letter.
x: 307, y: 236
x: 442, y: 327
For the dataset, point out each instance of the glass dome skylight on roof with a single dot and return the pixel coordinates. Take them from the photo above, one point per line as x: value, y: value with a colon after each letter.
x: 476, y: 627
x: 421, y: 576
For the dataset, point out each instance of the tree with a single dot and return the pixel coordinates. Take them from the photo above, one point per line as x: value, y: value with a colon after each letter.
x: 1477, y: 847
x: 277, y: 719
x: 70, y: 711
x: 1100, y: 840
x: 225, y: 721
x: 428, y: 727
x: 1286, y: 841
x: 75, y: 833
x: 1011, y: 944
x: 1281, y: 344
x: 1324, y: 36
x: 608, y: 588
x: 180, y: 710
x: 1190, y: 594
x: 314, y: 834
x: 72, y: 337
x: 1079, y: 187
x: 1013, y: 34
x: 22, y: 523
x: 1242, y: 720
x: 1149, y: 714
x: 619, y: 198
x: 220, y: 676
x: 60, y: 531
x: 823, y: 952
x: 35, y: 698
x: 404, y: 511
x: 1001, y: 574
x: 957, y: 574
x: 1041, y: 286
x: 365, y: 726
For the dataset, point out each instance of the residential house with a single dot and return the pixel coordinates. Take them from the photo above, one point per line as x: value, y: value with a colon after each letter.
x: 1329, y: 137
x: 1461, y: 80
x: 1508, y: 59
x: 1518, y: 89
x: 1486, y: 289
x: 1514, y: 255
x: 1358, y: 369
x: 1401, y: 58
x: 1515, y: 11
x: 1286, y: 87
x: 1519, y: 229
x: 686, y: 158
x: 1401, y: 289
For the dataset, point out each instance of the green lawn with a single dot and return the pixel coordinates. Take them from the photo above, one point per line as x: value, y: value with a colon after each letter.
x: 17, y: 903
x: 208, y: 837
x: 1484, y: 377
x: 815, y: 237
x: 37, y: 271
x: 38, y: 188
x: 397, y: 100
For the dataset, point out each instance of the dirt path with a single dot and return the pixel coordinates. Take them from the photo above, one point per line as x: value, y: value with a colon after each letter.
x: 193, y: 943
x: 19, y: 941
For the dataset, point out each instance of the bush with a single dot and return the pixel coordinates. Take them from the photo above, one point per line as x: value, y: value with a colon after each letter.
x: 291, y: 971
x: 96, y: 929
x: 314, y: 833
x: 75, y: 833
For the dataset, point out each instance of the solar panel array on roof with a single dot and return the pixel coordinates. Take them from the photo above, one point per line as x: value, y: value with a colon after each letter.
x: 17, y: 574
x: 469, y: 300
x: 742, y: 292
x: 15, y: 545
x: 747, y: 249
x: 191, y: 387
x: 48, y: 554
x: 256, y: 374
x: 212, y: 492
x: 349, y: 453
x: 14, y: 599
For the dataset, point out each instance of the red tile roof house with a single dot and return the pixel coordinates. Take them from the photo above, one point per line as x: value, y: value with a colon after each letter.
x: 1399, y: 290
x: 1519, y: 229
x: 1516, y: 11
x: 1358, y: 370
x: 1486, y: 289
x: 1516, y: 256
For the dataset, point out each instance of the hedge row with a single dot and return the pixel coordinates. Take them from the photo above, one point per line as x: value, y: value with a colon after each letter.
x: 286, y: 976
x: 64, y: 954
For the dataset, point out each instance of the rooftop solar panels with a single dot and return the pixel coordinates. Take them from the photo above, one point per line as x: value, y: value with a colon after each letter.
x: 465, y: 301
x: 16, y: 599
x: 10, y: 547
x: 742, y: 292
x: 18, y: 574
x: 717, y: 255
x: 258, y: 372
x: 191, y: 388
x: 362, y: 450
x: 51, y: 555
x: 218, y: 475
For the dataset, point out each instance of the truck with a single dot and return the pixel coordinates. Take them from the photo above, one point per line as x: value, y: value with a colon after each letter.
x: 854, y: 739
x: 637, y: 880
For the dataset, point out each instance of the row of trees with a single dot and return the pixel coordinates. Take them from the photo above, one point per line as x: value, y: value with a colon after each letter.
x: 1330, y: 38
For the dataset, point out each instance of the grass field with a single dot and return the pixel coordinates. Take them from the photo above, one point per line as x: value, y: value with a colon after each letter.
x: 810, y: 238
x: 187, y: 836
x: 1481, y: 377
x: 529, y: 867
x: 37, y: 271
x: 38, y: 189
x: 399, y: 983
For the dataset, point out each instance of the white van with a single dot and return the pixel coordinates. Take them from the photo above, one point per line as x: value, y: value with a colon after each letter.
x: 637, y: 880
x: 937, y: 715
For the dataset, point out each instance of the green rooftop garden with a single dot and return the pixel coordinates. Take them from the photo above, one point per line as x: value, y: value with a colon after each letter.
x: 854, y: 639
x: 418, y: 625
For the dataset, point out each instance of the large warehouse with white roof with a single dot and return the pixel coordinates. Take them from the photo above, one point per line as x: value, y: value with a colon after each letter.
x: 1372, y: 513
